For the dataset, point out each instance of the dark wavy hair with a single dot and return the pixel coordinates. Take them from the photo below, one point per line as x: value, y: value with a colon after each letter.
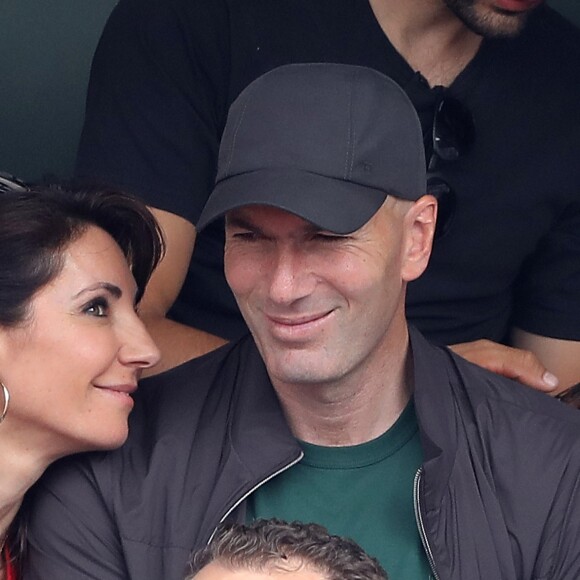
x: 37, y: 224
x: 275, y: 545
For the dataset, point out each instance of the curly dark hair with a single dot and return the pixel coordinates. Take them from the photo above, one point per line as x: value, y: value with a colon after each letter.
x: 268, y: 545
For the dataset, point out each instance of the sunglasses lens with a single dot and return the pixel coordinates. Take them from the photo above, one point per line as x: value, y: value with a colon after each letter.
x: 453, y: 129
x: 10, y: 183
x: 446, y: 202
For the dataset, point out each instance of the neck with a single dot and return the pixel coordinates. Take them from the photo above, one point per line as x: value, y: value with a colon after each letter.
x: 19, y: 470
x: 356, y: 408
x: 428, y: 36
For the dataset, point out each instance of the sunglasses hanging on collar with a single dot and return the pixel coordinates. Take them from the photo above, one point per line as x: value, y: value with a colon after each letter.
x: 451, y: 137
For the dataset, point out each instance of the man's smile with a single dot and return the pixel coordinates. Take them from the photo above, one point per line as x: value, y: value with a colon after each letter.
x: 298, y: 327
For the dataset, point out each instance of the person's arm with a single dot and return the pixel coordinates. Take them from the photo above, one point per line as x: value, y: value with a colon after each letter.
x: 562, y: 357
x: 547, y: 298
x: 546, y: 303
x: 513, y: 362
x: 156, y: 105
x: 177, y: 342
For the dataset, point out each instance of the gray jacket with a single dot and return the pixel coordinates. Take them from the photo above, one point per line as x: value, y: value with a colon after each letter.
x: 497, y: 498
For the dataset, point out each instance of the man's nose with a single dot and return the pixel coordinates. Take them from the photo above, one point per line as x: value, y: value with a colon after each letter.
x: 291, y: 277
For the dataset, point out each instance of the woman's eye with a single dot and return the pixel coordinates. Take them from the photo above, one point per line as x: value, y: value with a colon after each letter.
x: 98, y: 307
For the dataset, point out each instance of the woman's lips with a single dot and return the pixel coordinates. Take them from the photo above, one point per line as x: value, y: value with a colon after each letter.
x: 121, y: 393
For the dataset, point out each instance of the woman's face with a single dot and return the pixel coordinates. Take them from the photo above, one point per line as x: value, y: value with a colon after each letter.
x: 72, y: 365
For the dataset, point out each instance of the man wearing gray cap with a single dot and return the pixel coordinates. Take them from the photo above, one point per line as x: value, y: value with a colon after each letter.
x: 333, y: 411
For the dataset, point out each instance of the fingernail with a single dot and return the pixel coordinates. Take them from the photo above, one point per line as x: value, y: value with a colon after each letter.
x: 550, y: 379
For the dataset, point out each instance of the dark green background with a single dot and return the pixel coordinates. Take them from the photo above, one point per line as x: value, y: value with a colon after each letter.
x: 45, y: 54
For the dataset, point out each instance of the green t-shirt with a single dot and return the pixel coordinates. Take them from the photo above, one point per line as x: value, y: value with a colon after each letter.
x: 364, y: 492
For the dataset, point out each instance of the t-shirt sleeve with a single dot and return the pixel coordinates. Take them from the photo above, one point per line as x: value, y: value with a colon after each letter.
x: 157, y: 101
x: 547, y: 300
x: 71, y: 533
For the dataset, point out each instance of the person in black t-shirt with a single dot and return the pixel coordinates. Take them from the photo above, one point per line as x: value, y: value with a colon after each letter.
x: 506, y: 271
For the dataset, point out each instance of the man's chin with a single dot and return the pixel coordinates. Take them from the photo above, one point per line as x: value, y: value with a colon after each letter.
x: 293, y: 374
x: 299, y: 368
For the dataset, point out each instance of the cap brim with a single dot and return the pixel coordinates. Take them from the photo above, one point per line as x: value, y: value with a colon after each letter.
x: 331, y: 204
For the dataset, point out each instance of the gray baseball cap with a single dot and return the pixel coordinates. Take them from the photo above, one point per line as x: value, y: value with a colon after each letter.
x: 327, y: 142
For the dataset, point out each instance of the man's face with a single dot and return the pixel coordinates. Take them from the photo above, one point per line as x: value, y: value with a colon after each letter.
x: 320, y: 306
x: 493, y: 18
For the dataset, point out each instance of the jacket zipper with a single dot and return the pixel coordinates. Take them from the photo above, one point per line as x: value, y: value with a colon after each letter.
x: 258, y: 485
x: 421, y: 525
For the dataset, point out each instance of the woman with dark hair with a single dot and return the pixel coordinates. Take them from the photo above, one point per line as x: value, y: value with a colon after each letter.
x: 73, y: 266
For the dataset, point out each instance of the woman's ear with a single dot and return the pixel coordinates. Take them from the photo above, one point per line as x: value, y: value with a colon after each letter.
x: 419, y: 230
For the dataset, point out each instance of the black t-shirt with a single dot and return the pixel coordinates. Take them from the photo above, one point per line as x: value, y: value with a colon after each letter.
x: 166, y: 71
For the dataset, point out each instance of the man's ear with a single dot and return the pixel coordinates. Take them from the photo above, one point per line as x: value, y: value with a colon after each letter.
x: 419, y: 229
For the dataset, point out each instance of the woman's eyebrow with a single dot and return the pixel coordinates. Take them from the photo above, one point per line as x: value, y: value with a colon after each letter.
x: 107, y: 286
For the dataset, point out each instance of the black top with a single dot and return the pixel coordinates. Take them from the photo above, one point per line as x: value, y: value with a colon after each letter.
x: 166, y: 71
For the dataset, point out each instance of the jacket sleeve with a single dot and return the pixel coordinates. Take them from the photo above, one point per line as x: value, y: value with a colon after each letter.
x: 565, y: 527
x: 71, y: 533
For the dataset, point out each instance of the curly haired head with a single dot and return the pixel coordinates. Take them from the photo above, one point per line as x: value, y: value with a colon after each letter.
x: 276, y: 546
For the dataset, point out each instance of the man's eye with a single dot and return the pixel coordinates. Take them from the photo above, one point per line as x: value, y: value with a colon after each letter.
x: 245, y: 236
x: 329, y: 237
x: 98, y: 307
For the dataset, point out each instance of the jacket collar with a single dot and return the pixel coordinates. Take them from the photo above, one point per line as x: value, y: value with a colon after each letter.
x: 262, y: 442
x: 435, y: 404
x: 259, y: 441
